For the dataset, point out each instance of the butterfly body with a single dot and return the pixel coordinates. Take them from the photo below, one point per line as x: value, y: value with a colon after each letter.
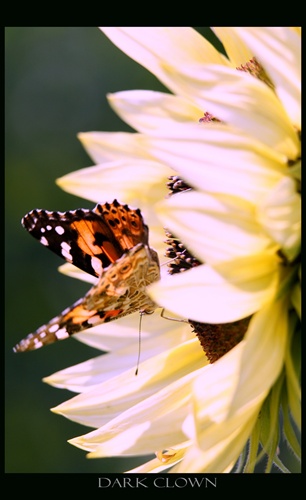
x: 110, y: 242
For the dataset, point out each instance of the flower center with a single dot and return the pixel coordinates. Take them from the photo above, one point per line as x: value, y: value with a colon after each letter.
x: 216, y: 339
x: 255, y: 69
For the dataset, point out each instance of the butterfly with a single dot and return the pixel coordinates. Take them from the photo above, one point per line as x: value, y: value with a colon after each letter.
x: 109, y: 242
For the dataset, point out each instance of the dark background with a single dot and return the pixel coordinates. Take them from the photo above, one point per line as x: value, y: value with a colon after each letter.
x: 56, y: 81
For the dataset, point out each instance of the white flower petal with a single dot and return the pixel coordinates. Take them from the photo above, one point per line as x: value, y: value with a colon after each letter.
x: 75, y: 272
x: 233, y: 389
x: 237, y: 51
x: 153, y: 423
x: 147, y: 111
x: 231, y: 291
x: 265, y: 344
x: 156, y: 48
x: 135, y: 181
x: 213, y: 228
x: 217, y: 159
x: 280, y: 215
x: 126, y: 394
x: 112, y: 146
x: 122, y: 338
x: 278, y: 49
x: 233, y: 97
x: 228, y: 394
x: 166, y: 459
x: 218, y: 459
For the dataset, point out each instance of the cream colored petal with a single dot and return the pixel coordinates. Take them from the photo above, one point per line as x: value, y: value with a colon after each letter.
x: 228, y: 394
x: 147, y: 111
x: 212, y: 423
x: 228, y: 292
x: 75, y: 272
x: 217, y: 159
x: 219, y: 459
x: 164, y: 460
x: 155, y: 48
x: 278, y: 49
x: 265, y: 346
x: 127, y: 394
x: 239, y: 99
x: 112, y: 146
x: 213, y: 228
x: 153, y: 423
x: 280, y: 215
x: 109, y: 337
x: 237, y: 51
x: 298, y: 29
x: 130, y: 180
x: 121, y: 337
x: 234, y: 389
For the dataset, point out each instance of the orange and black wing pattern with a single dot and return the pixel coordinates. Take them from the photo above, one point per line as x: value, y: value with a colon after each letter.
x: 89, y: 239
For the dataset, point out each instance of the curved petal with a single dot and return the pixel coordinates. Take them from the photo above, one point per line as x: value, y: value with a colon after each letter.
x: 112, y: 146
x: 280, y: 215
x: 233, y: 97
x: 153, y: 423
x: 156, y: 48
x: 147, y: 111
x: 122, y: 338
x: 218, y: 159
x: 75, y: 272
x: 220, y: 458
x: 237, y: 51
x: 228, y: 292
x: 278, y: 49
x: 118, y: 398
x: 229, y: 394
x: 213, y: 228
x: 164, y: 460
x: 131, y: 180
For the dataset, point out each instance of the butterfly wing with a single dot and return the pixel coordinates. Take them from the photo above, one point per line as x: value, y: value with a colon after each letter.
x: 121, y: 290
x: 88, y: 239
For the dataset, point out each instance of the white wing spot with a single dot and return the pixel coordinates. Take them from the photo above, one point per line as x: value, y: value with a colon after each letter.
x: 37, y: 344
x: 65, y: 311
x: 59, y: 230
x: 53, y: 328
x: 66, y: 250
x: 96, y: 265
x: 62, y: 334
x: 48, y: 227
x: 44, y: 241
x: 42, y: 230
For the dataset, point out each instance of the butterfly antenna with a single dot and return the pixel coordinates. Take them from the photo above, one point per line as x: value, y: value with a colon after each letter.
x: 171, y: 260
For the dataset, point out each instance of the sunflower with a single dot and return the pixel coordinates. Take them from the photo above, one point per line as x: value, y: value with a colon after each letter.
x: 228, y: 136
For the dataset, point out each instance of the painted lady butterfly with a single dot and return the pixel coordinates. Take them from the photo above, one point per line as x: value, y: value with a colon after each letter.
x: 110, y: 242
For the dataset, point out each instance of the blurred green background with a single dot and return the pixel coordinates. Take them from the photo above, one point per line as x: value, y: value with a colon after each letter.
x: 56, y: 81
